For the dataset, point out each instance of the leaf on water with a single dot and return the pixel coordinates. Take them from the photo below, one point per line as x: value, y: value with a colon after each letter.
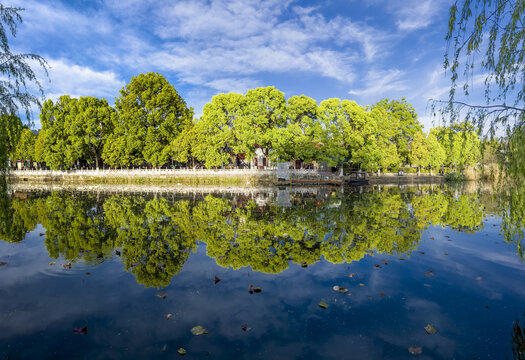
x: 67, y: 265
x: 165, y: 347
x: 323, y: 305
x: 80, y: 330
x: 430, y: 329
x: 342, y: 290
x: 88, y: 273
x: 415, y: 350
x: 3, y: 263
x: 361, y: 284
x: 432, y: 238
x: 401, y: 259
x: 384, y: 261
x: 421, y: 252
x: 216, y: 280
x: 336, y: 287
x: 250, y: 289
x: 479, y: 278
x: 181, y: 351
x: 382, y: 293
x: 42, y: 234
x: 351, y: 275
x: 446, y: 253
x: 168, y: 316
x: 198, y: 330
x: 448, y: 237
x: 429, y: 273
x: 427, y: 285
x: 257, y: 289
x: 52, y: 263
x: 161, y: 295
x: 244, y: 327
x: 377, y: 265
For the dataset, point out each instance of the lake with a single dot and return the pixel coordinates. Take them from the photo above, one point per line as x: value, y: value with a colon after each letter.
x: 426, y: 272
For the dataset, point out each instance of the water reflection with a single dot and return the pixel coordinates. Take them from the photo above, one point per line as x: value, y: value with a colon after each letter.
x: 156, y: 235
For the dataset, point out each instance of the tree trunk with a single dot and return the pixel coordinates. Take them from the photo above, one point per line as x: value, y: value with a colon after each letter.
x: 342, y: 171
x: 430, y: 171
x: 378, y: 172
x: 419, y: 171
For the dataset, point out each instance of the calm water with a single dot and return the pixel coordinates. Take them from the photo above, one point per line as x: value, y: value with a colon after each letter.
x: 408, y: 258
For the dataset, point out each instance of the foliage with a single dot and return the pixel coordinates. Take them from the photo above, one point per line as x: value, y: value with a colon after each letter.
x: 25, y: 149
x: 495, y: 29
x: 455, y: 176
x: 150, y: 116
x: 10, y: 130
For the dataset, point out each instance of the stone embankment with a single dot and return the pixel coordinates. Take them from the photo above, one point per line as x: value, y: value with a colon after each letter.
x: 221, y: 177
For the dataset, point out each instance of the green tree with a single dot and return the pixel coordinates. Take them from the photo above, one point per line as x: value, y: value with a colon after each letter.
x: 93, y: 121
x: 151, y: 114
x: 388, y: 156
x: 419, y: 154
x: 460, y: 142
x: 25, y: 149
x: 496, y: 30
x: 218, y: 129
x: 10, y: 131
x: 402, y: 114
x: 263, y: 109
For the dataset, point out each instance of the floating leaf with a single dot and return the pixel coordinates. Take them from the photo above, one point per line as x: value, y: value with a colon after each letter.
x: 446, y: 253
x: 382, y: 293
x: 216, y: 280
x: 52, y: 263
x: 88, y: 273
x: 168, y: 316
x: 415, y: 350
x: 429, y: 273
x: 3, y: 263
x: 198, y: 330
x: 323, y: 305
x: 80, y: 330
x: 244, y: 327
x: 342, y: 290
x: 421, y: 252
x: 377, y: 265
x: 427, y: 285
x: 161, y: 295
x: 250, y: 289
x: 351, y: 275
x: 384, y: 261
x: 479, y: 278
x: 257, y: 289
x: 401, y: 259
x: 67, y: 265
x: 430, y: 329
x: 42, y: 234
x: 336, y: 287
x: 181, y: 351
x: 165, y: 347
x: 361, y: 284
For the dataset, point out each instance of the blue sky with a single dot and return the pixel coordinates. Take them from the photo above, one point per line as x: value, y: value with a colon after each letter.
x: 358, y: 50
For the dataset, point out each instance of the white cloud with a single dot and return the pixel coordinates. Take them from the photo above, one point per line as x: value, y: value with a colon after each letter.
x: 75, y: 80
x: 380, y: 83
x: 417, y: 14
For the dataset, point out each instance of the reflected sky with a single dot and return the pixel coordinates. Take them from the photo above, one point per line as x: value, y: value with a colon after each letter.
x: 461, y: 277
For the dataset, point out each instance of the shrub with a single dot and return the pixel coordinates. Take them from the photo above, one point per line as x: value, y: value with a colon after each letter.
x: 455, y: 176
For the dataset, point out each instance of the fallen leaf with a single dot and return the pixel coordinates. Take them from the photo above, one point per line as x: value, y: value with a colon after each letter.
x: 164, y: 347
x: 377, y: 265
x: 430, y: 329
x: 67, y: 265
x: 42, y: 234
x: 384, y: 261
x: 3, y: 263
x: 486, y: 306
x: 415, y: 350
x: 432, y: 238
x: 80, y: 330
x: 401, y: 259
x: 446, y: 253
x: 161, y: 295
x: 216, y: 280
x: 52, y: 263
x: 323, y: 305
x: 361, y: 284
x: 88, y: 273
x: 168, y: 316
x: 257, y: 289
x: 429, y: 273
x: 427, y: 285
x: 181, y: 351
x: 479, y: 278
x: 198, y: 330
x: 351, y: 275
x: 336, y: 287
x: 244, y: 327
x: 382, y: 293
x: 421, y: 252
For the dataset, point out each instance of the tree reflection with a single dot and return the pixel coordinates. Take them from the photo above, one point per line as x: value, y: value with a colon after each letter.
x: 155, y: 236
x: 518, y: 339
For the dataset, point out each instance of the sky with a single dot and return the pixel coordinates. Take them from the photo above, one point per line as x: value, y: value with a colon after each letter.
x: 349, y: 49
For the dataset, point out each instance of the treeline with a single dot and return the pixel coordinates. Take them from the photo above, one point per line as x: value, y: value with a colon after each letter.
x: 151, y: 125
